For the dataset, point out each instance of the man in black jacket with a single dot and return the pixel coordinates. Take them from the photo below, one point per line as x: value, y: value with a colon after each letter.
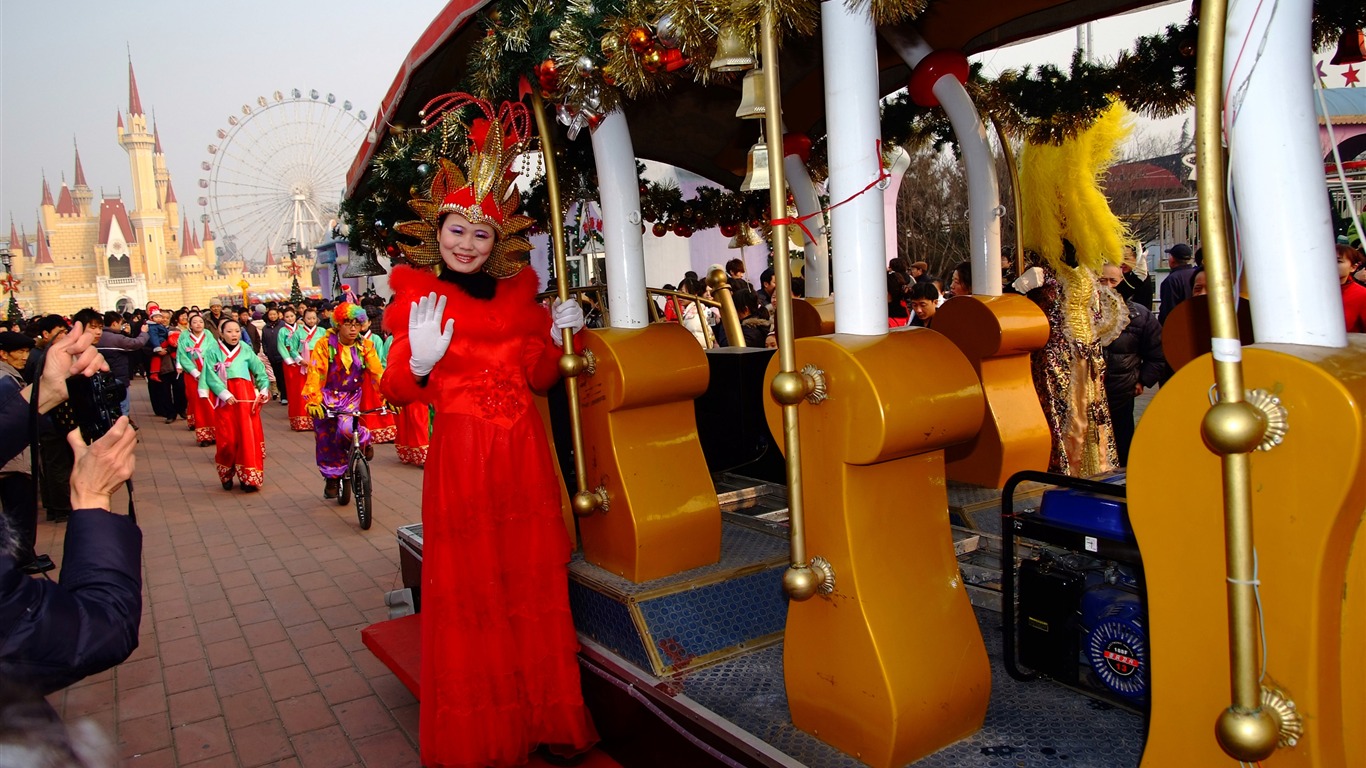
x: 56, y: 633
x: 1133, y: 361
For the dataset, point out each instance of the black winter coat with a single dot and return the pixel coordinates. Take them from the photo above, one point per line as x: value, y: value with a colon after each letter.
x: 1136, y: 356
x: 52, y: 634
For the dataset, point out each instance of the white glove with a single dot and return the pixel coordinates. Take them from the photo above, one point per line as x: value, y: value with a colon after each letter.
x: 426, y: 337
x: 563, y: 315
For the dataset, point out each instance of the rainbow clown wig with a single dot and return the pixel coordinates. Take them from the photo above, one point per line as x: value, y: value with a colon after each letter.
x: 347, y: 311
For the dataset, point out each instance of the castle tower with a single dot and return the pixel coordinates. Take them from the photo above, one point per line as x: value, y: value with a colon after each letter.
x: 171, y: 205
x: 44, y: 269
x: 163, y: 176
x: 47, y: 211
x: 210, y: 253
x: 81, y: 192
x: 147, y: 216
x: 66, y: 205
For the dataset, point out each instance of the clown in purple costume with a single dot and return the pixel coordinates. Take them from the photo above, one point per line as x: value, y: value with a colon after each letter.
x: 338, y: 365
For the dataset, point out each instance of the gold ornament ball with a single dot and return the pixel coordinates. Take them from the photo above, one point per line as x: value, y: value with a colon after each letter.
x: 610, y: 45
x: 1230, y: 428
x: 1247, y: 736
x: 652, y: 60
x: 788, y: 388
x: 495, y: 17
x: 554, y: 36
x: 572, y: 365
x: 800, y: 583
x: 584, y: 503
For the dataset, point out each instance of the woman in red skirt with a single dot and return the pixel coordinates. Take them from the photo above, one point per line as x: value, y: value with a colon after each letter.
x: 190, y: 359
x: 235, y: 378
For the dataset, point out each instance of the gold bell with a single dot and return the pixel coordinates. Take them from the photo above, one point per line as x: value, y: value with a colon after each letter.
x: 732, y: 54
x: 1351, y: 48
x: 746, y: 236
x: 362, y: 263
x: 756, y: 174
x: 751, y: 96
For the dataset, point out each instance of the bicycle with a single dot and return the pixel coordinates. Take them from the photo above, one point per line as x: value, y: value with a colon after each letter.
x: 356, y: 480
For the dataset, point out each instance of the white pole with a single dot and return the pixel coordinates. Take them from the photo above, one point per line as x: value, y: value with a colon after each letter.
x: 899, y: 162
x: 851, y: 82
x: 1284, y: 227
x: 984, y: 192
x: 620, y: 195
x: 817, y: 270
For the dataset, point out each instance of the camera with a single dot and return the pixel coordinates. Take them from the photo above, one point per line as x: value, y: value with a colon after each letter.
x: 96, y: 403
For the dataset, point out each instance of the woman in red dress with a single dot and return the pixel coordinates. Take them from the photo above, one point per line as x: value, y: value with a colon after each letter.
x: 499, y: 674
x: 1353, y: 294
x: 190, y: 359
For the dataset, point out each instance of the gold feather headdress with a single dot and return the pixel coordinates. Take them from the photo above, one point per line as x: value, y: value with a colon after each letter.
x: 483, y: 192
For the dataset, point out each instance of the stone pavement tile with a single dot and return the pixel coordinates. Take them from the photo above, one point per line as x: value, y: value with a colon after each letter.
x: 329, y: 657
x: 328, y: 597
x: 171, y: 609
x: 372, y: 668
x: 387, y: 750
x: 206, y: 592
x: 312, y: 582
x: 251, y: 613
x: 302, y: 714
x: 215, y: 631
x: 228, y: 652
x: 393, y: 693
x: 140, y: 702
x: 261, y: 744
x: 200, y: 577
x: 134, y: 674
x: 350, y: 637
x: 277, y: 655
x: 88, y: 697
x: 204, y: 739
x: 211, y: 610
x: 289, y: 682
x: 144, y: 735
x: 237, y: 679
x: 226, y: 760
x: 243, y: 709
x: 343, y: 685
x: 246, y: 593
x: 236, y: 579
x: 174, y: 629
x: 324, y: 748
x: 264, y: 633
x: 181, y: 650
x: 162, y: 758
x: 289, y: 762
x: 363, y: 717
x: 309, y: 635
x: 407, y: 718
x: 194, y: 706
x: 183, y: 677
x: 341, y: 616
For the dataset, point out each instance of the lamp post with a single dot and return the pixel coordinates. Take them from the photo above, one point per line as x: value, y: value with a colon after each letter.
x: 295, y: 295
x: 11, y: 285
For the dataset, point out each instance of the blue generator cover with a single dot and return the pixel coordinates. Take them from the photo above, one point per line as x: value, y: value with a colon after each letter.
x: 1087, y: 512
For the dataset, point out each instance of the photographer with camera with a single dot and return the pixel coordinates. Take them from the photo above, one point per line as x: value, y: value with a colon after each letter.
x: 59, y: 632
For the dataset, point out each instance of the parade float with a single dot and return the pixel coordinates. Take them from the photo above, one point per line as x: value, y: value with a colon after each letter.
x: 1197, y: 611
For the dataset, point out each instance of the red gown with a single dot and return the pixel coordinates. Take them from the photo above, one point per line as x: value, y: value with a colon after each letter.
x: 414, y: 423
x: 381, y: 425
x: 295, y: 375
x: 241, y: 442
x: 499, y: 673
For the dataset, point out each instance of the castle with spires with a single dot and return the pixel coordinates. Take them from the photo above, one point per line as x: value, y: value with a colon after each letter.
x: 113, y: 258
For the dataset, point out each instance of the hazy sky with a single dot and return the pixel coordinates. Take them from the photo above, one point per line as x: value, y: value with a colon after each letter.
x: 64, y: 74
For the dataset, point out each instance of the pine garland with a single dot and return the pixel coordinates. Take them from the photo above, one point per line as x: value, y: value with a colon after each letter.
x: 581, y: 54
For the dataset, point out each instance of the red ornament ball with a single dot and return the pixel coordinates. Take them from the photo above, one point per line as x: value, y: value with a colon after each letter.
x: 660, y: 229
x: 730, y: 230
x: 652, y: 59
x: 640, y: 39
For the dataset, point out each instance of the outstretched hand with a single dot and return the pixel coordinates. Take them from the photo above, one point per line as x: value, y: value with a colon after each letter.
x: 74, y: 354
x: 427, y: 339
x: 101, y: 467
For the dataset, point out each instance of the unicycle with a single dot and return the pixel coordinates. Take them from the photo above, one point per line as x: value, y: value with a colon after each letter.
x: 356, y: 481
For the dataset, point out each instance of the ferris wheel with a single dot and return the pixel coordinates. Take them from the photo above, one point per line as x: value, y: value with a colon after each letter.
x: 277, y: 171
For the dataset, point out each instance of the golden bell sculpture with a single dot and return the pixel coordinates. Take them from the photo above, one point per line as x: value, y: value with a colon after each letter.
x: 732, y: 53
x: 751, y: 96
x: 756, y: 175
x: 362, y: 263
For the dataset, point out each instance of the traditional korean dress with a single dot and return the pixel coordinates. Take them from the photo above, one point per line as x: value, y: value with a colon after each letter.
x: 190, y: 360
x: 380, y: 425
x: 293, y: 382
x: 499, y: 672
x: 414, y: 424
x: 303, y: 340
x: 335, y: 373
x: 241, y: 441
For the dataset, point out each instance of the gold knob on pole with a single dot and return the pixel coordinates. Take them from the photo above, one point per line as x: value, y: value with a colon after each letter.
x: 572, y: 365
x: 804, y: 581
x: 587, y: 502
x: 1230, y: 428
x: 1247, y: 736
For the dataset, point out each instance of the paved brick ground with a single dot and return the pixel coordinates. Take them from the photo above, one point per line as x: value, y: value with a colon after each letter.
x: 250, y: 652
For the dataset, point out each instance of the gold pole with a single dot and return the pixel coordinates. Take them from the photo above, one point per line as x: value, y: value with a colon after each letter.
x: 571, y: 365
x: 1232, y: 427
x: 702, y: 319
x: 789, y: 387
x: 1009, y: 154
x: 730, y: 317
